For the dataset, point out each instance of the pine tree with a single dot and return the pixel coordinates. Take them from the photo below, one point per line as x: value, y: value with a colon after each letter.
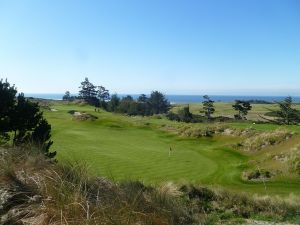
x: 40, y: 137
x: 208, y: 107
x: 286, y: 113
x: 242, y: 107
x: 103, y: 95
x: 159, y: 103
x: 7, y: 102
x: 24, y: 117
x: 185, y: 115
x: 67, y: 96
x: 88, y: 91
x: 114, y: 103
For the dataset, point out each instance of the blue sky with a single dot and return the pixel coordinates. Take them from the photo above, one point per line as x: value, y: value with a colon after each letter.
x: 234, y: 47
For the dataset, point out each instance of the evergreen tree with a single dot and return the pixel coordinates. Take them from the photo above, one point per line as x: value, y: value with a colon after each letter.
x: 88, y: 92
x: 7, y: 98
x: 125, y: 104
x: 208, y: 107
x: 242, y: 107
x: 159, y: 103
x: 114, y: 103
x: 143, y: 98
x: 24, y: 117
x: 144, y: 108
x: 103, y: 95
x: 7, y: 102
x: 40, y: 137
x: 67, y: 96
x: 185, y: 115
x: 286, y: 113
x: 128, y: 98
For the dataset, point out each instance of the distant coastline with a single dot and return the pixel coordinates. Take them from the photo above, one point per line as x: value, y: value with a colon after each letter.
x: 184, y: 99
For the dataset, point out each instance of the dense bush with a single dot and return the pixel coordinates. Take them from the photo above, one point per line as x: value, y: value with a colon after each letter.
x: 144, y: 106
x: 258, y: 174
x: 23, y: 120
x: 183, y: 115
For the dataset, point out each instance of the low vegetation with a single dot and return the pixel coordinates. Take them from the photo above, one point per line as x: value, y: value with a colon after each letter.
x: 35, y: 190
x: 262, y: 140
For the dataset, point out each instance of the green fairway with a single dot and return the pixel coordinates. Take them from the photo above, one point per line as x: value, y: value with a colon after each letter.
x: 122, y: 147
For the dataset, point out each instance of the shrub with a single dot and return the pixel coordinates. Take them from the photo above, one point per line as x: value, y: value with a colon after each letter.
x: 258, y: 174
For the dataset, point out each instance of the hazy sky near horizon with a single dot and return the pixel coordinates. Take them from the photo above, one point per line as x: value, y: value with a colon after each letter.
x: 235, y: 47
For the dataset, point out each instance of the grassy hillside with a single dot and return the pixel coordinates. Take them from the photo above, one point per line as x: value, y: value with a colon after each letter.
x: 122, y: 147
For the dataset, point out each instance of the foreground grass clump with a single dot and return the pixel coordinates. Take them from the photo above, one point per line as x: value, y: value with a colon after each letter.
x: 35, y: 190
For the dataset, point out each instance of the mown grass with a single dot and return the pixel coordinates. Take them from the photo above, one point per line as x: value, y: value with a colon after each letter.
x: 122, y: 147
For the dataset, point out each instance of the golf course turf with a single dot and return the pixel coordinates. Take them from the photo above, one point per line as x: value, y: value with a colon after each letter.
x: 122, y: 147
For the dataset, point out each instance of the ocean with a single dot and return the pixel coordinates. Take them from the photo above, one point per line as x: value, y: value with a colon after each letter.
x: 184, y: 99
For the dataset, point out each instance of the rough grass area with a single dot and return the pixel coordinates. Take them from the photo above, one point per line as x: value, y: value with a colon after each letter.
x: 121, y: 147
x: 36, y: 191
x: 262, y: 140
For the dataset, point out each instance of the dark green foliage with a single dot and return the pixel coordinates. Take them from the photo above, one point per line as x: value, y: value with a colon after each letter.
x: 143, y: 106
x: 259, y: 174
x: 72, y: 111
x: 88, y: 92
x: 131, y: 107
x: 172, y: 116
x: 143, y: 98
x: 256, y: 101
x: 185, y: 115
x: 97, y: 96
x: 125, y: 104
x: 103, y: 96
x: 4, y: 138
x: 158, y: 102
x: 208, y: 107
x: 242, y: 107
x: 7, y: 103
x: 23, y: 119
x: 40, y: 137
x: 114, y: 103
x: 286, y: 113
x: 67, y: 96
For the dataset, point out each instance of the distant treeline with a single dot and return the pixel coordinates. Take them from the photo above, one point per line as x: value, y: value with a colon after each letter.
x: 255, y: 101
x: 99, y: 97
x: 157, y: 103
